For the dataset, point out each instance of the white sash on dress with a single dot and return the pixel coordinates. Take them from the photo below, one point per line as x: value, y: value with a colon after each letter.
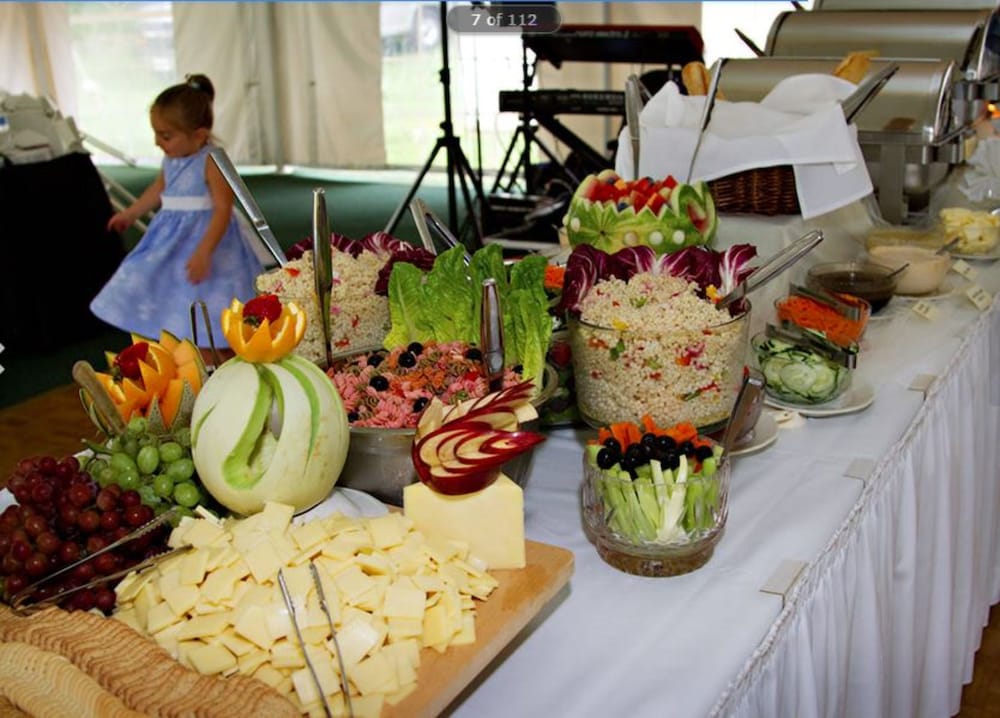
x: 186, y: 204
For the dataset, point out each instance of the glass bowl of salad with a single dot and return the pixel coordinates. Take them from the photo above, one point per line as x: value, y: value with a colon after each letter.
x: 654, y: 501
x: 802, y: 370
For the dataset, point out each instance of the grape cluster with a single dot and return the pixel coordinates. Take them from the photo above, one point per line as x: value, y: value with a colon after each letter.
x: 61, y: 516
x: 158, y: 467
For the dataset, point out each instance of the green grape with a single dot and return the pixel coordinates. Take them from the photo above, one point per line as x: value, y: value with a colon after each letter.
x: 131, y: 446
x: 181, y: 470
x: 104, y: 477
x: 137, y: 425
x: 96, y: 466
x: 163, y: 485
x: 128, y: 479
x: 148, y: 459
x: 184, y: 511
x: 182, y: 435
x: 170, y: 452
x: 148, y: 495
x: 114, y: 445
x: 186, y: 494
x: 121, y: 461
x: 148, y: 440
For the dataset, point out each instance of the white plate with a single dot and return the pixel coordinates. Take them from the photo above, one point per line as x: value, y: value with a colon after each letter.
x: 765, y: 433
x: 858, y: 396
x: 349, y: 502
x: 948, y: 287
x: 990, y: 256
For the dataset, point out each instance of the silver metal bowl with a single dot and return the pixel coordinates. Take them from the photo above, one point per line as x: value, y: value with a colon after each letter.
x: 379, y: 461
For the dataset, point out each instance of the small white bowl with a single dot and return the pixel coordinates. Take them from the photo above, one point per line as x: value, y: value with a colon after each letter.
x: 926, y: 272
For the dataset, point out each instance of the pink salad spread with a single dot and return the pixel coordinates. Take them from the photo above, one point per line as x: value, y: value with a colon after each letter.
x: 389, y: 389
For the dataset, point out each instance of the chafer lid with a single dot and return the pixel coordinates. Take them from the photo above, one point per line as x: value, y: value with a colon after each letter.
x: 916, y: 100
x: 970, y: 38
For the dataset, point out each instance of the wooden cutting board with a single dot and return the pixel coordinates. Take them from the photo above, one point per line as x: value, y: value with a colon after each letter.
x: 521, y: 595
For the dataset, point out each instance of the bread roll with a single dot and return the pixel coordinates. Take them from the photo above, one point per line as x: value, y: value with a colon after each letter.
x: 855, y: 65
x: 696, y: 79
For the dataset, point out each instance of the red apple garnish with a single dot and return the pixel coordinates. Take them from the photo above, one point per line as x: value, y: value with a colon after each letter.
x: 461, y: 449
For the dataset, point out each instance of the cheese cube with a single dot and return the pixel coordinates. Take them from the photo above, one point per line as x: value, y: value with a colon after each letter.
x: 252, y: 625
x: 388, y: 530
x: 375, y: 674
x: 203, y: 533
x: 263, y: 561
x: 309, y: 535
x: 203, y: 626
x: 255, y: 660
x: 403, y: 600
x: 211, y: 659
x: 181, y: 598
x: 491, y: 521
x: 160, y: 616
x: 286, y: 654
x: 269, y: 675
x: 193, y: 567
x: 356, y: 638
x: 275, y: 516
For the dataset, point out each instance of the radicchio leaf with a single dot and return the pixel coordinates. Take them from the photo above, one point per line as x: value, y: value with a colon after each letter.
x: 733, y: 266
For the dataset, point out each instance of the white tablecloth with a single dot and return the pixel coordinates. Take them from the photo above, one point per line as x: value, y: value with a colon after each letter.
x: 900, y: 568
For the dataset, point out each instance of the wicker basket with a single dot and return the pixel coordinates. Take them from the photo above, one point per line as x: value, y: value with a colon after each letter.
x: 763, y: 190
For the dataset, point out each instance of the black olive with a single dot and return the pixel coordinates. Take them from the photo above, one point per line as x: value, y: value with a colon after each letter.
x: 378, y: 383
x: 638, y: 453
x: 606, y: 458
x: 473, y: 354
x: 665, y: 443
x: 612, y: 443
x: 407, y: 360
x: 415, y: 348
x: 648, y: 440
x: 517, y: 369
x: 375, y: 359
x: 670, y: 460
x: 352, y: 416
x: 686, y: 448
x: 628, y: 462
x: 420, y: 403
x: 703, y: 452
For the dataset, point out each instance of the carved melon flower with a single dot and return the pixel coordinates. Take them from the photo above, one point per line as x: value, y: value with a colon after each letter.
x: 263, y: 330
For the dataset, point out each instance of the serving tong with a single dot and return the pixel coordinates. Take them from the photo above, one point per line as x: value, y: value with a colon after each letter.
x: 772, y: 267
x: 816, y: 342
x: 846, y: 309
x: 290, y: 606
x: 21, y: 600
x: 425, y: 219
x: 633, y: 106
x: 706, y: 112
x: 323, y: 268
x: 751, y: 393
x: 249, y: 204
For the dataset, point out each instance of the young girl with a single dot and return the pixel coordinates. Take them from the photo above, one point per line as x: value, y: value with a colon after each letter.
x: 194, y: 248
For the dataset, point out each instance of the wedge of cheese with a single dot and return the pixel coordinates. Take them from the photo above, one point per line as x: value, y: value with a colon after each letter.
x: 490, y: 521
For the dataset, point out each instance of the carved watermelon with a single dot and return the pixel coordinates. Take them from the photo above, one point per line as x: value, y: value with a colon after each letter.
x: 610, y: 213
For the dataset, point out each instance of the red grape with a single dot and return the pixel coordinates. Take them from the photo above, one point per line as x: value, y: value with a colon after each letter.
x: 81, y: 494
x: 36, y: 525
x: 107, y: 500
x: 25, y: 466
x: 4, y: 543
x: 107, y: 563
x: 137, y: 515
x: 105, y: 599
x: 48, y: 542
x: 68, y: 515
x: 70, y: 462
x: 69, y: 552
x: 47, y: 465
x: 37, y: 565
x: 20, y: 550
x: 96, y: 543
x: 82, y: 600
x: 84, y: 572
x: 88, y: 521
x: 110, y: 520
x: 15, y: 583
x: 130, y: 498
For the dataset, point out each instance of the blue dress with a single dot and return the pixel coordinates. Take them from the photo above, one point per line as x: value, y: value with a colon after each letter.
x: 150, y: 289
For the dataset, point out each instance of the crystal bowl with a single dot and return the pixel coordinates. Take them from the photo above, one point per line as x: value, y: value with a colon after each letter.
x: 703, y: 518
x: 689, y: 374
x: 865, y: 279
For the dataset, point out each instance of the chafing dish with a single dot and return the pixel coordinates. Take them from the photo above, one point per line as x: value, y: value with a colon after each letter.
x: 908, y: 133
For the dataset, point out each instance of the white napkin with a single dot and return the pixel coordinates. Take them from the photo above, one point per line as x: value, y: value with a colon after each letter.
x: 799, y: 123
x: 981, y: 180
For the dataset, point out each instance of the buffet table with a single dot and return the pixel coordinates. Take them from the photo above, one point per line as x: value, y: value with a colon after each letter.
x: 858, y: 566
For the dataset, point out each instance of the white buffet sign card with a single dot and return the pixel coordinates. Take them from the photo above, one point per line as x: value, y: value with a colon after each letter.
x: 925, y: 309
x: 980, y: 297
x: 783, y: 578
x: 922, y: 382
x: 960, y: 266
x: 860, y: 469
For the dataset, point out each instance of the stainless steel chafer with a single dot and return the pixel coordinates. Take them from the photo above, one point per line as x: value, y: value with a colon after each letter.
x: 908, y: 133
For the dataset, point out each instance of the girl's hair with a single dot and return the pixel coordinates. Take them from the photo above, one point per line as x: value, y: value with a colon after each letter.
x: 188, y: 104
